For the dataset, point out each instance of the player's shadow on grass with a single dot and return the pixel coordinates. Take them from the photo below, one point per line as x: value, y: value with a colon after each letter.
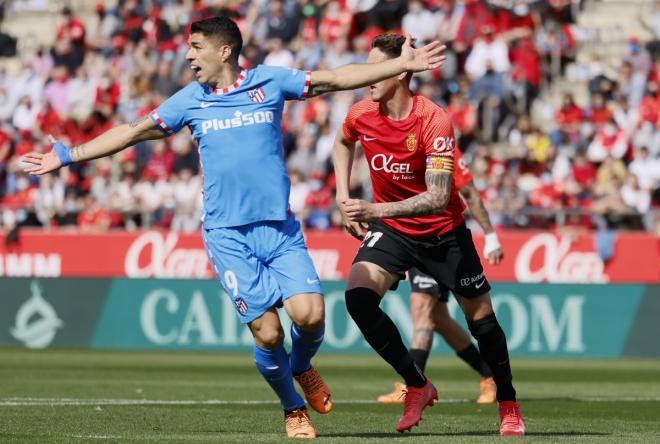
x: 389, y: 435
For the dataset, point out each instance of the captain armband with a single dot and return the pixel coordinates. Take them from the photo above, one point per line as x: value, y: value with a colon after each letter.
x: 439, y: 164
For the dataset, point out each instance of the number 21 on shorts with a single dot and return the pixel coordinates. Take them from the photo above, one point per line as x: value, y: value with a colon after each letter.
x: 370, y: 238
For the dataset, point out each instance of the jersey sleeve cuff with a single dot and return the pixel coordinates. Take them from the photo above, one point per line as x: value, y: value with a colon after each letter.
x: 160, y: 123
x: 308, y: 80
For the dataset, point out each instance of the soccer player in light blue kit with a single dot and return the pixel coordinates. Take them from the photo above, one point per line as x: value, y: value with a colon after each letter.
x: 253, y: 241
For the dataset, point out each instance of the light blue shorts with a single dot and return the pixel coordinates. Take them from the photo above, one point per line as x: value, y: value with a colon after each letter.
x: 262, y: 264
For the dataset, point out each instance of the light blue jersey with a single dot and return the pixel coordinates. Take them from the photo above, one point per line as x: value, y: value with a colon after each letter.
x: 253, y: 241
x: 239, y: 136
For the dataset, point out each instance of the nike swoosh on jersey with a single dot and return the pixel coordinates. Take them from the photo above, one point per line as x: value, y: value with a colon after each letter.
x: 367, y: 138
x: 312, y: 281
x: 480, y: 284
x: 204, y: 104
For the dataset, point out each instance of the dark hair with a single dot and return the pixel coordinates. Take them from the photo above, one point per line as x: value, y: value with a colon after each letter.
x: 221, y: 28
x: 390, y: 45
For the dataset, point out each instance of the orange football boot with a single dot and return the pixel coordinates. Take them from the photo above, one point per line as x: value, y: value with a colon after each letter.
x: 488, y: 391
x: 299, y: 424
x: 398, y: 396
x: 316, y: 391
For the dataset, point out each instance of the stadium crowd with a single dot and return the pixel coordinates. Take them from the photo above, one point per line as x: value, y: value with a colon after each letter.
x: 594, y: 165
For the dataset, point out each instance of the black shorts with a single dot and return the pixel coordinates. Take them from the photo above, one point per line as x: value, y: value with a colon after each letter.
x: 450, y: 258
x: 423, y: 283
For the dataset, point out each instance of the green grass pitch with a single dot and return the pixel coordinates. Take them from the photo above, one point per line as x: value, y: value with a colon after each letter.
x: 54, y: 396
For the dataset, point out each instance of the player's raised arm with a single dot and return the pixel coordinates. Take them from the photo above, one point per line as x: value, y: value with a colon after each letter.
x: 108, y: 143
x: 358, y: 75
x: 342, y: 158
x: 492, y: 248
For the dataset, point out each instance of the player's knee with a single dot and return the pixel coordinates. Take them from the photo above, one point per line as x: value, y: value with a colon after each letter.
x: 269, y: 337
x: 363, y: 305
x: 312, y: 320
x: 484, y: 327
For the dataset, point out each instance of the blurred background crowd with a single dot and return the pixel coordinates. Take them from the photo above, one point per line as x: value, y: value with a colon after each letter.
x: 558, y: 131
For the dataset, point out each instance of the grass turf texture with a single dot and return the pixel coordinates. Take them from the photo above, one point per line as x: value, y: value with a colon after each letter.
x: 72, y: 396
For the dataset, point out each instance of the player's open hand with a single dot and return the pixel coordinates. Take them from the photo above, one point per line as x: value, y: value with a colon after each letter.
x: 493, y: 249
x: 43, y: 162
x: 426, y: 58
x: 495, y: 257
x: 358, y: 210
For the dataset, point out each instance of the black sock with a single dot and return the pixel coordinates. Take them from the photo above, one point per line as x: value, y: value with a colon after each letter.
x: 381, y: 333
x: 471, y: 355
x: 420, y: 357
x: 492, y: 344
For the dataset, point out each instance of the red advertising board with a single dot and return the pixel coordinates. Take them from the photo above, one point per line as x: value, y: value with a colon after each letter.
x: 530, y: 256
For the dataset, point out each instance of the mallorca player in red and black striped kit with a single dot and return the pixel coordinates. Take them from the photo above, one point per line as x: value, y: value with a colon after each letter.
x: 415, y: 220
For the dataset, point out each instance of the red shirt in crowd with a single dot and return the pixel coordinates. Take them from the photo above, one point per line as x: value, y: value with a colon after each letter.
x: 600, y: 116
x: 464, y: 116
x: 649, y: 109
x: 569, y: 115
x: 526, y: 63
x: 74, y: 29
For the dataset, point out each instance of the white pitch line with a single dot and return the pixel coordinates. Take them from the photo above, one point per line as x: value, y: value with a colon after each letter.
x: 28, y: 402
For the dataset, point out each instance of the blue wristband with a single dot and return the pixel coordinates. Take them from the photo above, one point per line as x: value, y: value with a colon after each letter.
x: 63, y: 153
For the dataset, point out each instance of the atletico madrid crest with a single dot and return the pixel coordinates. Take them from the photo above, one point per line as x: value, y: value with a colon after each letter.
x: 257, y: 95
x: 241, y: 305
x: 411, y: 142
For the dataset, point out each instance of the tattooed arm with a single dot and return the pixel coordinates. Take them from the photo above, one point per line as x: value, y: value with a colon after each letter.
x: 108, y: 143
x: 358, y: 75
x: 432, y: 201
x: 116, y: 139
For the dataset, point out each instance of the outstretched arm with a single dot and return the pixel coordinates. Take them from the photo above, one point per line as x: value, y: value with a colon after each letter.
x: 108, y: 143
x: 358, y: 75
x: 492, y: 249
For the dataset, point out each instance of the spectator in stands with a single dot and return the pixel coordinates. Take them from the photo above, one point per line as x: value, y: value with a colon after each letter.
x: 93, y: 217
x: 568, y: 118
x: 645, y: 169
x: 610, y: 140
x: 124, y: 201
x: 25, y: 115
x: 634, y: 196
x: 489, y: 53
x: 187, y: 193
x: 464, y: 117
x: 610, y: 170
x: 420, y: 22
x: 300, y: 190
x: 338, y: 54
x: 125, y: 60
x: 278, y: 55
x: 336, y: 22
x: 48, y: 198
x: 304, y: 158
x: 526, y: 73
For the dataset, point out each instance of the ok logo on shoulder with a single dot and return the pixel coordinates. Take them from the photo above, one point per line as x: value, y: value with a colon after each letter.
x: 444, y: 146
